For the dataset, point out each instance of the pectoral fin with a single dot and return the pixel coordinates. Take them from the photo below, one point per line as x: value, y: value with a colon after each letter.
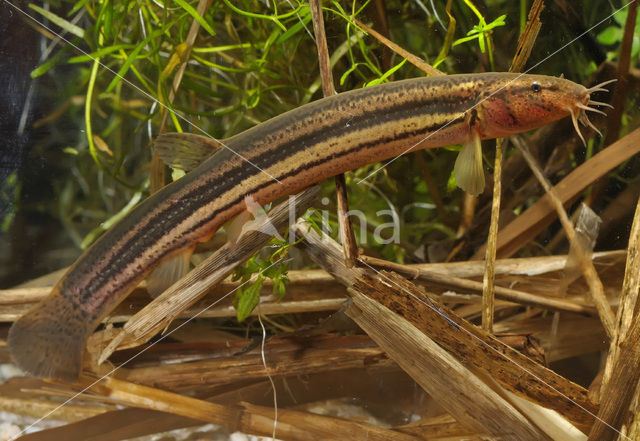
x: 234, y: 227
x: 243, y: 224
x: 468, y: 169
x: 168, y: 272
x: 185, y: 150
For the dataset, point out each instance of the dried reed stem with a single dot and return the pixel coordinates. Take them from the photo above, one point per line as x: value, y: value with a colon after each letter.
x: 457, y: 389
x: 416, y: 61
x: 537, y: 217
x: 525, y: 44
x: 245, y: 417
x: 157, y: 172
x: 501, y: 292
x: 622, y: 373
x: 488, y: 280
x: 346, y: 230
x: 528, y: 37
x: 586, y: 265
x: 512, y: 370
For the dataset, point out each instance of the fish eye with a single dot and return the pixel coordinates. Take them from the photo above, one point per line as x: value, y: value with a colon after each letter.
x: 536, y: 87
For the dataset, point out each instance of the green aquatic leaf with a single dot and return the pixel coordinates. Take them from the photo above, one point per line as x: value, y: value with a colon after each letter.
x: 64, y: 24
x: 131, y: 58
x: 386, y: 75
x: 49, y: 64
x: 610, y: 35
x: 305, y: 18
x: 187, y: 7
x: 247, y: 298
x: 99, y: 53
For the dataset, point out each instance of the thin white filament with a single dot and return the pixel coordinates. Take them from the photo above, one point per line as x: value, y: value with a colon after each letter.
x: 266, y: 370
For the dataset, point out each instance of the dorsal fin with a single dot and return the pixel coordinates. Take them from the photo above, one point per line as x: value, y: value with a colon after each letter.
x: 185, y: 150
x: 168, y: 272
x: 234, y: 227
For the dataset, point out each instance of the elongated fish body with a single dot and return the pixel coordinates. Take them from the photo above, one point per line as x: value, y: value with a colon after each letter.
x: 278, y: 157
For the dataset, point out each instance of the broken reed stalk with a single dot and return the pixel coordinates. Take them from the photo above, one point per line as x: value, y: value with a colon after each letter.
x: 479, y: 350
x: 588, y: 271
x: 449, y: 381
x: 203, y: 366
x: 37, y: 408
x: 344, y: 224
x: 524, y: 228
x: 528, y: 37
x: 315, y: 290
x: 416, y: 61
x: 524, y: 266
x: 347, y: 236
x: 227, y: 363
x: 622, y: 372
x: 315, y: 7
x: 628, y: 305
x: 525, y: 44
x: 488, y: 279
x: 157, y: 173
x: 245, y: 417
x: 621, y: 88
x: 185, y: 292
x: 620, y: 390
x: 501, y: 292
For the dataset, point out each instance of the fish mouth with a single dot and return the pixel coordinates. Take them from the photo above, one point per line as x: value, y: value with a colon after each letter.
x: 579, y: 110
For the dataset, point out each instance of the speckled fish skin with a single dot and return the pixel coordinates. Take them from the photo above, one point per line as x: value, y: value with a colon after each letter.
x: 299, y: 148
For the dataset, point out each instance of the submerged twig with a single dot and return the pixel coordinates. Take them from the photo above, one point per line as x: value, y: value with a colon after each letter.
x: 537, y: 217
x: 619, y: 390
x: 512, y: 370
x: 344, y: 224
x: 525, y: 44
x: 416, y: 61
x: 501, y: 292
x: 588, y: 271
x: 157, y: 172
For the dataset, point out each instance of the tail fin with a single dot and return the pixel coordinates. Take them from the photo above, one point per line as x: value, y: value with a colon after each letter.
x: 49, y: 339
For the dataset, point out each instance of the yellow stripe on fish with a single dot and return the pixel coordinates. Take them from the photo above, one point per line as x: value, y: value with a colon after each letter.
x: 299, y: 148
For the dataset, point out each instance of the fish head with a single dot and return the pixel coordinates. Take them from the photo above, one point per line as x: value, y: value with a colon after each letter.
x: 526, y: 102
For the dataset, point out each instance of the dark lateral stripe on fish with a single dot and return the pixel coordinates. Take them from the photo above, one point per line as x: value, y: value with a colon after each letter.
x: 300, y: 147
x: 150, y: 230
